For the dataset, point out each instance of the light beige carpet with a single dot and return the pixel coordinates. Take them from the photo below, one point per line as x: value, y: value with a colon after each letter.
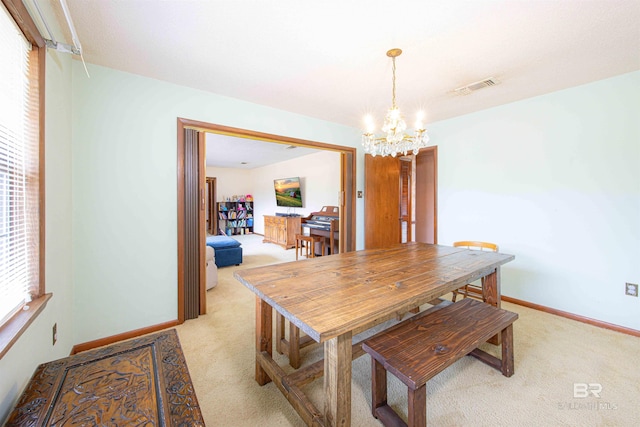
x: 552, y: 355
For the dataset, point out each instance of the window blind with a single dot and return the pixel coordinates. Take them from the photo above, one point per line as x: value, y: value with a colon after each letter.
x: 18, y: 170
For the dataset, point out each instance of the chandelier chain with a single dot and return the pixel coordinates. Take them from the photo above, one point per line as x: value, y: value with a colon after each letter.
x: 393, y: 94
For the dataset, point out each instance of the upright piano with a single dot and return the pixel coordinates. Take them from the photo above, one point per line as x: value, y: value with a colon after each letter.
x: 326, y: 223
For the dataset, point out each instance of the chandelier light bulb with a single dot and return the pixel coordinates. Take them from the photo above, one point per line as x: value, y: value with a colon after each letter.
x: 394, y: 141
x: 419, y: 119
x: 370, y: 126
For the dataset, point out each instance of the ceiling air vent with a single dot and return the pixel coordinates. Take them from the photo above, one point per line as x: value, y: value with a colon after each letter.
x: 466, y: 90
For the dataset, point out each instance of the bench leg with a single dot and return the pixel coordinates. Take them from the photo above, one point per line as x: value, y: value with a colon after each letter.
x: 417, y: 407
x: 378, y: 386
x: 507, y: 365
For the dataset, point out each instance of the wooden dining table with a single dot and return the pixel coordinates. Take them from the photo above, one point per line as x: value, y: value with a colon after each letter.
x: 332, y: 298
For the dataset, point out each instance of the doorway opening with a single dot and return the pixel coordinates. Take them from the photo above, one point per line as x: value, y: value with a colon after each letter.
x: 196, y: 248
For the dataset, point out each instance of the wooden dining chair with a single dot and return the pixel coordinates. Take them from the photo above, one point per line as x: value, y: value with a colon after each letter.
x: 473, y: 290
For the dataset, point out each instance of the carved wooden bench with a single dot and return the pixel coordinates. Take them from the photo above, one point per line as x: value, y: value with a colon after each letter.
x: 422, y: 346
x: 144, y: 381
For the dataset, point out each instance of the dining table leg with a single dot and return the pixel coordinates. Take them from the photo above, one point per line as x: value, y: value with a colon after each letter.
x: 337, y: 380
x: 491, y: 295
x: 264, y: 334
x: 491, y: 288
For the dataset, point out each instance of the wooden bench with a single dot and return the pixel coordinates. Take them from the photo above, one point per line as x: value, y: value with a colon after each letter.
x: 422, y: 346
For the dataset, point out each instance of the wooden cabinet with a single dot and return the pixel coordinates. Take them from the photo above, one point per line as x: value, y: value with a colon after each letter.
x: 281, y: 230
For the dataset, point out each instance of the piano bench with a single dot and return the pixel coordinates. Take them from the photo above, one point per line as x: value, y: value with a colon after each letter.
x: 310, y: 245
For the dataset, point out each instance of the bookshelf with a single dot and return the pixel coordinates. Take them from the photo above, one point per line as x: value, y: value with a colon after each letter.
x: 235, y: 217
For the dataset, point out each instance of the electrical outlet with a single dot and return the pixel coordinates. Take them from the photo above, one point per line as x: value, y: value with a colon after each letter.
x: 55, y: 333
x: 631, y: 289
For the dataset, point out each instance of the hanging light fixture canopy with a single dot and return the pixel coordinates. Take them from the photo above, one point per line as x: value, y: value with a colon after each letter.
x: 395, y: 141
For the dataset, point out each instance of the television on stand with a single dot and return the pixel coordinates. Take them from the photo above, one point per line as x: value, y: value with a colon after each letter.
x: 288, y: 192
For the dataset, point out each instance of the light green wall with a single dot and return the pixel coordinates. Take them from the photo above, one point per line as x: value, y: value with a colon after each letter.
x: 124, y: 190
x: 554, y: 181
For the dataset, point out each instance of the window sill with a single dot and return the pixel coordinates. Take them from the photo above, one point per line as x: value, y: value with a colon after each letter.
x: 14, y: 327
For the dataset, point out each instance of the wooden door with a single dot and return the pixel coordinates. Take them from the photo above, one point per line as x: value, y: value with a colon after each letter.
x: 381, y: 201
x: 389, y: 202
x: 191, y: 220
x: 426, y: 200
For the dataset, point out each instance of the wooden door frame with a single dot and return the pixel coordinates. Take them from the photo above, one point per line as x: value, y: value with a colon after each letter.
x: 202, y: 222
x: 408, y: 161
x: 211, y: 205
x: 347, y: 185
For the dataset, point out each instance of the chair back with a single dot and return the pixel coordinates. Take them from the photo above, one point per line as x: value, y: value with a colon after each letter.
x: 472, y: 289
x: 476, y: 245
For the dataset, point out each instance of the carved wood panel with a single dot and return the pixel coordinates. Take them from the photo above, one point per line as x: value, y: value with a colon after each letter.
x: 142, y: 382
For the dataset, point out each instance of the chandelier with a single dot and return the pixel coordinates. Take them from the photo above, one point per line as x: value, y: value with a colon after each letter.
x: 394, y: 141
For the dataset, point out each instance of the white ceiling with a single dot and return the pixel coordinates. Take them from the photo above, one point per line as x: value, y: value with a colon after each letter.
x: 326, y: 59
x: 240, y: 153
